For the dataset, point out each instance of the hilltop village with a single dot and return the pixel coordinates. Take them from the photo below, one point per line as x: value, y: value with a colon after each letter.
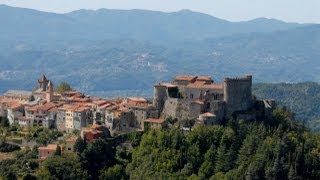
x: 195, y: 98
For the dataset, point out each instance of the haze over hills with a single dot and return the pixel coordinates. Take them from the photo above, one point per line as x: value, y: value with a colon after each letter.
x: 129, y: 50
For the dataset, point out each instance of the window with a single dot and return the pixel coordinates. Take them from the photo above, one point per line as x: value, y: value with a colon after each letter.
x: 191, y: 96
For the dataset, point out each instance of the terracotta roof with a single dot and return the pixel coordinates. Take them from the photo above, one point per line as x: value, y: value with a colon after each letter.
x: 155, y: 120
x: 99, y: 102
x: 14, y: 105
x: 105, y: 106
x: 52, y: 147
x: 75, y: 107
x: 137, y: 99
x: 45, y: 107
x: 185, y: 77
x: 71, y: 139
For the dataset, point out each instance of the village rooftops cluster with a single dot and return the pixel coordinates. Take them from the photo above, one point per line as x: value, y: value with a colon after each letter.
x: 73, y: 110
x: 186, y: 97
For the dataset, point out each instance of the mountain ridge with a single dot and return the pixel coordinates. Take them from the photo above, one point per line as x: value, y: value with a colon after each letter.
x: 146, y: 25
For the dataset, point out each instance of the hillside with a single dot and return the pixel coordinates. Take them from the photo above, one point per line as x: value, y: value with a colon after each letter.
x: 301, y: 98
x: 120, y: 64
x: 278, y: 148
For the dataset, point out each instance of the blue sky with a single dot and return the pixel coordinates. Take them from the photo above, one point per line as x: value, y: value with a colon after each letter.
x: 306, y: 11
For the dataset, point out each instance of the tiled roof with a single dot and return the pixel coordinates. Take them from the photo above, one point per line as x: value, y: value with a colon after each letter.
x: 51, y: 147
x: 137, y: 99
x: 45, y: 107
x: 13, y: 105
x: 71, y: 139
x: 75, y: 107
x: 185, y: 77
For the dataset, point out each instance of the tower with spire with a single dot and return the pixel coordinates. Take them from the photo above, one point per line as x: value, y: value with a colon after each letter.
x: 43, y: 83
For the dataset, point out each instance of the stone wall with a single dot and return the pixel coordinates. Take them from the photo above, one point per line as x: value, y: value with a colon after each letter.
x: 238, y: 94
x: 181, y: 109
x: 160, y: 96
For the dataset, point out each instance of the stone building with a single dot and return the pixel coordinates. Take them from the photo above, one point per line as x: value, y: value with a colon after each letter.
x: 76, y: 116
x: 47, y: 151
x: 197, y: 97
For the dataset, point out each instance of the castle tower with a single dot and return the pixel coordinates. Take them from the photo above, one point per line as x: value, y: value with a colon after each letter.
x: 160, y: 96
x: 43, y: 83
x: 49, y: 92
x: 238, y: 94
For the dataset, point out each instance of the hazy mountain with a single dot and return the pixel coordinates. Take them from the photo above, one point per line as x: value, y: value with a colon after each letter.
x: 157, y: 27
x: 283, y: 56
x: 107, y: 50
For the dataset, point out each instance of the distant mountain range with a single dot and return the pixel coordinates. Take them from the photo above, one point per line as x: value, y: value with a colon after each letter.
x: 125, y: 51
x: 143, y: 25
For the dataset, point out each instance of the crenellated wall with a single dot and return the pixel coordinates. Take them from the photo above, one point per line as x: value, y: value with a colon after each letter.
x: 238, y: 94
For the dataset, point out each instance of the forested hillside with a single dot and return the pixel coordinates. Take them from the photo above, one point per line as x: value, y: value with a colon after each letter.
x: 301, y: 98
x: 278, y: 148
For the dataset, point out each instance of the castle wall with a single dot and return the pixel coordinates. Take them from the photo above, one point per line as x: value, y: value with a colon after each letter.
x: 238, y: 94
x: 201, y: 93
x: 216, y: 107
x: 160, y: 96
x: 181, y: 109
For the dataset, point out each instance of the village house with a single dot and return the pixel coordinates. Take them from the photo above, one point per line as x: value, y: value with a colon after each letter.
x: 154, y: 123
x: 47, y: 151
x: 94, y: 132
x: 76, y: 116
x: 69, y: 145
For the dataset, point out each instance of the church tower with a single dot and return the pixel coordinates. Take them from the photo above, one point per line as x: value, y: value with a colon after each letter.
x: 43, y: 83
x: 49, y: 92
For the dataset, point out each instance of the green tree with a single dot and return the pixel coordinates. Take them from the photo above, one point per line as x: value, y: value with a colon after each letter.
x: 62, y: 87
x: 29, y: 177
x: 66, y: 167
x: 114, y: 172
x: 80, y: 145
x: 99, y: 154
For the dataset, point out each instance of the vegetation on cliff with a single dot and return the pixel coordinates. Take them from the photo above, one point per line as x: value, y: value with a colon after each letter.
x: 279, y: 148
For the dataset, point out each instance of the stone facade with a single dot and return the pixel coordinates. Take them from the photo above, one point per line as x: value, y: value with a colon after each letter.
x: 191, y: 97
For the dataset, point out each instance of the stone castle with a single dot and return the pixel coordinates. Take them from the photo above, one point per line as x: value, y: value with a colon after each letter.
x: 199, y: 97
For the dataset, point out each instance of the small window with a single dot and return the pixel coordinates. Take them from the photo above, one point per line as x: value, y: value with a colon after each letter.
x: 191, y: 96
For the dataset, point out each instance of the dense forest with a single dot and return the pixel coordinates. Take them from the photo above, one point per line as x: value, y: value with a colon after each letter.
x: 277, y: 148
x: 301, y: 98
